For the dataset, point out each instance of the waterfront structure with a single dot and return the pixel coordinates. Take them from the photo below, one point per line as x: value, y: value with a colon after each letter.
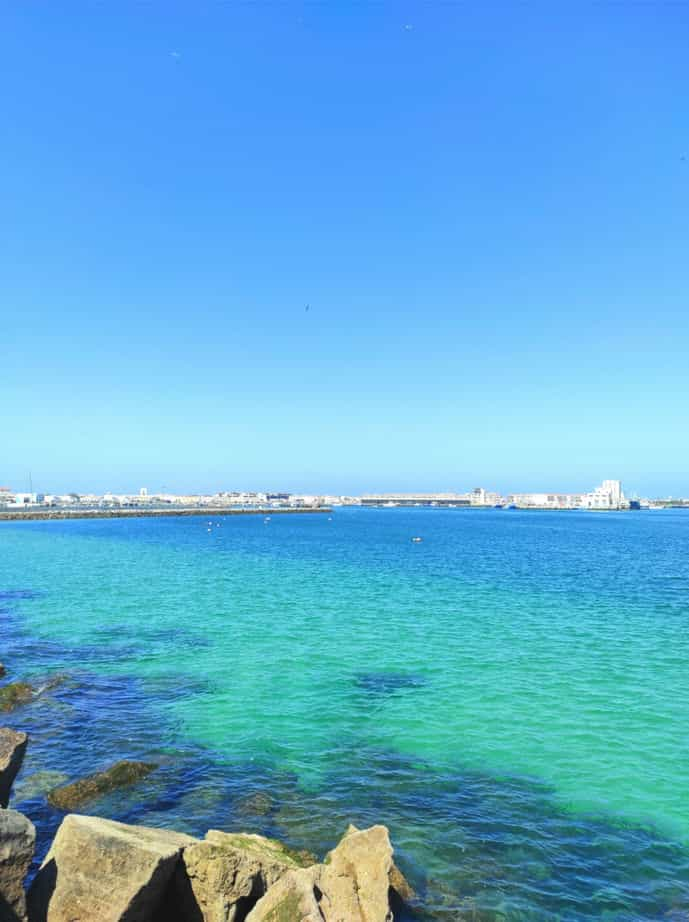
x: 416, y: 499
x: 477, y: 497
x: 481, y: 497
x: 27, y: 499
x: 546, y: 500
x: 609, y: 495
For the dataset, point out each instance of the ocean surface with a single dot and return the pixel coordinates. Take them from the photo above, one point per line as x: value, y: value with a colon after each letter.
x: 510, y: 695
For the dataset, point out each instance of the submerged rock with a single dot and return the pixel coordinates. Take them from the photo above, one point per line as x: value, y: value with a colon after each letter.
x: 17, y: 839
x: 38, y: 784
x: 221, y: 878
x: 121, y: 774
x: 14, y: 694
x: 388, y: 683
x: 258, y: 804
x: 12, y: 750
x: 102, y: 871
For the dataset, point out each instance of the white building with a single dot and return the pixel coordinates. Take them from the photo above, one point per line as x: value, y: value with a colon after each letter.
x: 481, y: 497
x: 28, y: 499
x: 546, y: 500
x: 609, y: 495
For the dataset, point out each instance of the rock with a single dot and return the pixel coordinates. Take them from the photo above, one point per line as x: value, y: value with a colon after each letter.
x: 38, y: 784
x: 119, y: 775
x: 221, y: 878
x: 13, y: 694
x: 3, y: 671
x: 400, y: 886
x: 17, y: 839
x: 354, y: 880
x: 291, y: 899
x: 352, y: 885
x: 258, y: 804
x: 49, y: 683
x: 12, y: 749
x: 101, y: 871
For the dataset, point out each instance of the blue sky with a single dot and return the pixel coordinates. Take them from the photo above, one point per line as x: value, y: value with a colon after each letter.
x: 485, y: 206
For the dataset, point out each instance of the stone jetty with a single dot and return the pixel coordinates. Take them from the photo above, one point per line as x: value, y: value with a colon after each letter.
x: 37, y: 515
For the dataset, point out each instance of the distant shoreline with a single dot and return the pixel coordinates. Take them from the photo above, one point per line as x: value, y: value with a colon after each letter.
x: 47, y: 514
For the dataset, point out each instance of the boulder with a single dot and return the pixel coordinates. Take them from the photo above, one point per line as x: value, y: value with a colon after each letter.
x: 354, y: 880
x: 352, y: 885
x: 292, y: 899
x: 15, y: 693
x: 101, y: 871
x: 121, y: 774
x: 17, y: 839
x: 12, y: 749
x: 221, y: 878
x: 401, y: 888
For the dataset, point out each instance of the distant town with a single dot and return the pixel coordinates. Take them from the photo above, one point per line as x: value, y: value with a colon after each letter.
x: 608, y: 496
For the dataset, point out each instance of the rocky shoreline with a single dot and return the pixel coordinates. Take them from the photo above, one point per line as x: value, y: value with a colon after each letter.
x: 99, y: 870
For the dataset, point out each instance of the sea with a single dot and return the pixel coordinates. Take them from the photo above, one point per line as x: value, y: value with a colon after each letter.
x: 509, y: 695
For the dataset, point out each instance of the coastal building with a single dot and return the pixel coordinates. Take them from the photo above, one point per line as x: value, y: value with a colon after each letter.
x: 609, y: 495
x: 546, y: 500
x: 416, y: 499
x: 28, y: 499
x: 481, y: 497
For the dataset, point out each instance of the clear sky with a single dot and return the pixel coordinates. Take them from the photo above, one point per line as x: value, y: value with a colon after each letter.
x: 485, y: 207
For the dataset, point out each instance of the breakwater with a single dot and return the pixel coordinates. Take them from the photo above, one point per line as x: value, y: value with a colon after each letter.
x: 41, y: 514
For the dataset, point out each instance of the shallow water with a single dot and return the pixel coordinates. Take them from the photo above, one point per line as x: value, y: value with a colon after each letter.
x: 510, y: 696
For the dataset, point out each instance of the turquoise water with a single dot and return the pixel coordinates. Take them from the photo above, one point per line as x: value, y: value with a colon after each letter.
x: 511, y: 695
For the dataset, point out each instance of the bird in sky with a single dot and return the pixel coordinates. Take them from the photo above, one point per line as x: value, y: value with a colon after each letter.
x: 308, y: 306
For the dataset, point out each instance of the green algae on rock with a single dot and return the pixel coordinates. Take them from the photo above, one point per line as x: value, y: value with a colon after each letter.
x: 256, y: 804
x: 221, y: 877
x: 119, y: 775
x: 14, y: 694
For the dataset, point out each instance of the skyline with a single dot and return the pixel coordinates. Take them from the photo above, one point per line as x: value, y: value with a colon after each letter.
x: 143, y: 492
x: 483, y: 209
